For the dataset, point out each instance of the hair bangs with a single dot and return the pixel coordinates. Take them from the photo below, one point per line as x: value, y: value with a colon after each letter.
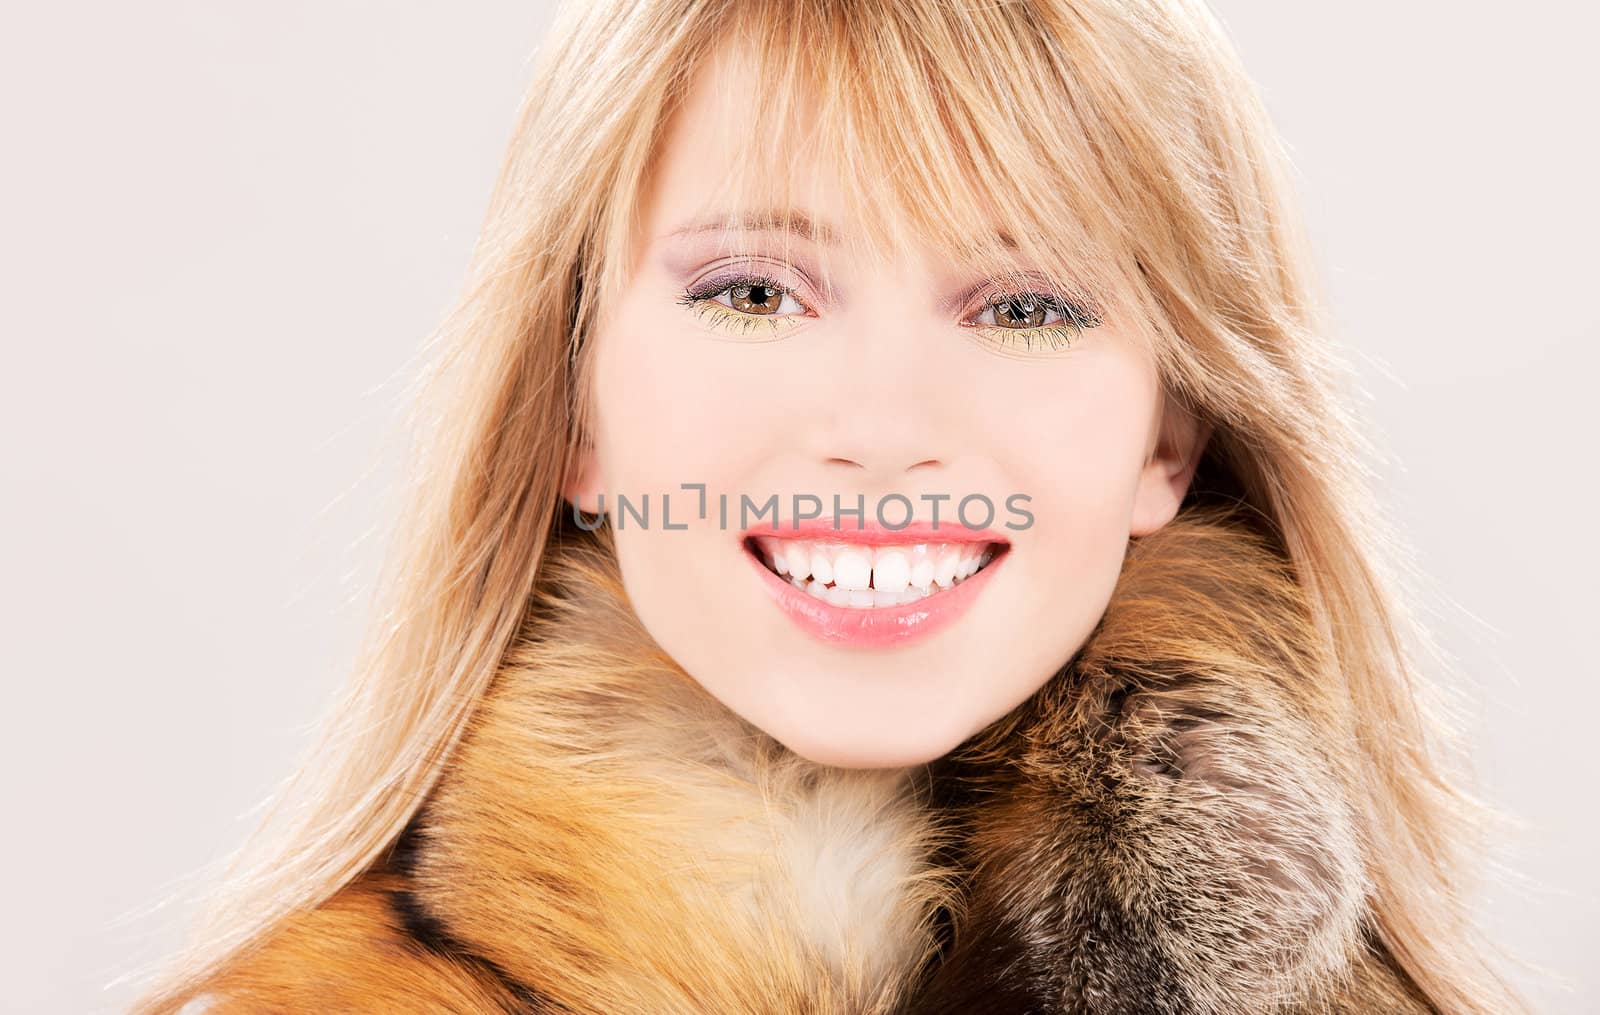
x: 942, y: 137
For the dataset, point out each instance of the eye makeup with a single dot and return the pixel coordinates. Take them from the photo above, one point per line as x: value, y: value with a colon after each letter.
x: 1056, y: 319
x: 703, y: 300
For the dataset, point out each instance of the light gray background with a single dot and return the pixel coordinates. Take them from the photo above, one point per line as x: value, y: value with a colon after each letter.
x: 226, y: 229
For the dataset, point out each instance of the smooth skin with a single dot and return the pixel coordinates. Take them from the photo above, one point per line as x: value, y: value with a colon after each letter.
x: 864, y: 383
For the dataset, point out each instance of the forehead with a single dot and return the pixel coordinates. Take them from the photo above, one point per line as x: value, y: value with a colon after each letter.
x: 733, y: 162
x: 794, y: 145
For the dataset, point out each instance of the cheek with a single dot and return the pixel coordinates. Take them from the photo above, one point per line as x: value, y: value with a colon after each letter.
x: 1079, y: 437
x: 1077, y: 449
x: 676, y: 411
x: 675, y: 408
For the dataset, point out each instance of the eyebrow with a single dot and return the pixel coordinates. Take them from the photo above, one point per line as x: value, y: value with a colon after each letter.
x: 795, y: 222
x: 779, y: 220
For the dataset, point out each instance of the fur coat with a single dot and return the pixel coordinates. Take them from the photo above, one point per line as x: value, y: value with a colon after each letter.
x: 1161, y: 828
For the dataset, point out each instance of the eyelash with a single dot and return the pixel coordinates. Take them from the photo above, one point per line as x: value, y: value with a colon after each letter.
x: 701, y: 300
x: 1075, y: 317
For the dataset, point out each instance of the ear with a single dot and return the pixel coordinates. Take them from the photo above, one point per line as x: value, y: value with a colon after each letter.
x: 583, y: 482
x: 1167, y: 472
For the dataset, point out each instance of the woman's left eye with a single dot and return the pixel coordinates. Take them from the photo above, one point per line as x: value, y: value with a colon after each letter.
x: 1028, y: 310
x: 1030, y: 322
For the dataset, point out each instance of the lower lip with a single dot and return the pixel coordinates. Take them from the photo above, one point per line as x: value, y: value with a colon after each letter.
x: 878, y: 626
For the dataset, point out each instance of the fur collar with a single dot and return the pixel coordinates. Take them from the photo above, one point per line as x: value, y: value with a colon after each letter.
x: 1160, y: 828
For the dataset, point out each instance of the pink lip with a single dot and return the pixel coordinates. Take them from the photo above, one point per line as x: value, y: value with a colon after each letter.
x: 883, y: 626
x: 916, y: 532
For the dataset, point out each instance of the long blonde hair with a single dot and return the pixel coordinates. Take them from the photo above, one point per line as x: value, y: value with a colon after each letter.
x: 1118, y: 143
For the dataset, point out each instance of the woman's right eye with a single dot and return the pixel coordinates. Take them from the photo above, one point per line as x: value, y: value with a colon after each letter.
x: 745, y: 302
x: 760, y: 298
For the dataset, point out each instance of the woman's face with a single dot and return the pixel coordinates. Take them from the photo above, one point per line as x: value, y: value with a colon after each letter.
x: 730, y: 377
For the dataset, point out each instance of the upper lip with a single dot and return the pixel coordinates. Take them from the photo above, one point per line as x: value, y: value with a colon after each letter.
x: 849, y: 530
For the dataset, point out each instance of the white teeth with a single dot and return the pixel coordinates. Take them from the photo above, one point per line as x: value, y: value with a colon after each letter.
x: 863, y: 577
x: 891, y: 570
x: 852, y: 570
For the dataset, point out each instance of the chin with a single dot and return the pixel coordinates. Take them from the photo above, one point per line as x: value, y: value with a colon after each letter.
x: 870, y: 752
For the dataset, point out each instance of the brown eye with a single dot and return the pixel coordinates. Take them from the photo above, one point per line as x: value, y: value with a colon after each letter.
x: 755, y: 299
x: 743, y: 302
x: 1029, y: 311
x: 1024, y: 312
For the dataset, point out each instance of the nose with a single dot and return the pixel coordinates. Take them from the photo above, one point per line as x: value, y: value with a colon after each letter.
x: 892, y: 411
x: 858, y: 463
x: 881, y: 443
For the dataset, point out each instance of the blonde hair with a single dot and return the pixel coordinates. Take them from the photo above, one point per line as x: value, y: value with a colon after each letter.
x: 1117, y: 144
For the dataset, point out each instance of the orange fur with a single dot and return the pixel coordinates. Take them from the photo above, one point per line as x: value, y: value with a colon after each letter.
x: 352, y: 955
x: 1165, y: 826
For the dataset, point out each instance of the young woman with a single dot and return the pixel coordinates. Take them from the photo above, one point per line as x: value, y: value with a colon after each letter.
x: 888, y: 539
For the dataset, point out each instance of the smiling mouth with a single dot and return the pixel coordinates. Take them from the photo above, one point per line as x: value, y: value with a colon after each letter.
x: 861, y: 576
